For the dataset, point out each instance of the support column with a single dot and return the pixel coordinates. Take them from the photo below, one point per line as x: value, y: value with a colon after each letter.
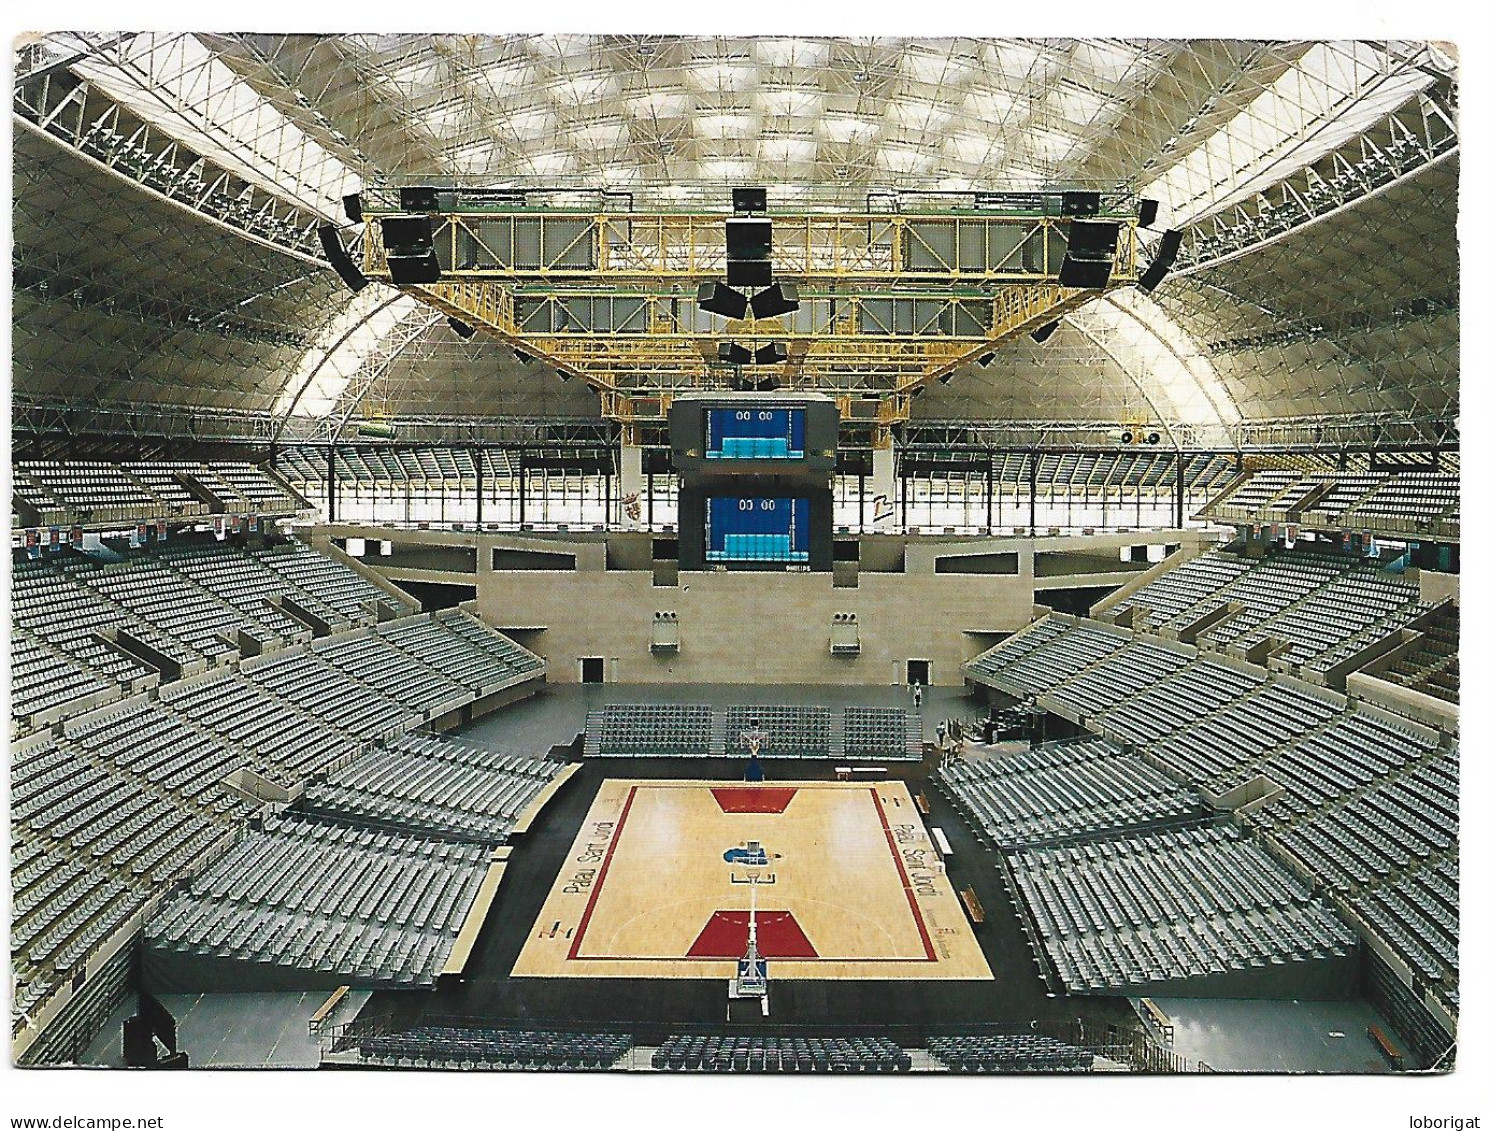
x: 988, y: 491
x: 522, y: 489
x: 331, y: 483
x: 478, y: 457
x: 1179, y: 490
x: 1034, y: 482
x: 882, y: 480
x: 631, y: 482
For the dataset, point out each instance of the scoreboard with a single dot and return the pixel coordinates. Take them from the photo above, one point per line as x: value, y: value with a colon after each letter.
x: 758, y: 529
x: 760, y: 433
x: 755, y: 474
x: 754, y: 432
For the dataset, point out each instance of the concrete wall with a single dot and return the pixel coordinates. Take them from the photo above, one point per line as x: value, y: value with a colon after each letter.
x: 753, y: 628
x: 1436, y: 586
x: 760, y: 627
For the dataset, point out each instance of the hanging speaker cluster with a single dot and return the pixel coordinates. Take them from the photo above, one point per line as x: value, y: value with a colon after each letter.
x: 733, y: 353
x: 774, y: 301
x: 340, y: 261
x: 722, y: 300
x: 410, y: 246
x: 747, y: 251
x: 747, y: 264
x: 1169, y: 250
x: 1090, y: 250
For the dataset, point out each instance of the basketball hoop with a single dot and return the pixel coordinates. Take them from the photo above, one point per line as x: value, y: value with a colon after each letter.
x: 752, y: 977
x: 755, y: 740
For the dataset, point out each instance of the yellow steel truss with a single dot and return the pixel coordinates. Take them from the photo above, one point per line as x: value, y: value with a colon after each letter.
x: 888, y: 302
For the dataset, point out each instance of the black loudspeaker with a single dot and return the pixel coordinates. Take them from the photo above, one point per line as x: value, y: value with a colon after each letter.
x: 404, y: 269
x: 747, y: 249
x: 749, y: 199
x: 1080, y: 203
x: 461, y: 330
x: 1169, y: 249
x: 772, y: 353
x: 719, y: 299
x: 418, y: 199
x: 1042, y: 335
x: 352, y: 205
x: 139, y: 1043
x: 777, y: 299
x: 760, y: 385
x: 341, y: 262
x: 1089, y: 252
x: 732, y: 353
x: 1148, y: 212
x: 410, y: 244
x: 408, y: 236
x: 1092, y: 239
x: 748, y: 273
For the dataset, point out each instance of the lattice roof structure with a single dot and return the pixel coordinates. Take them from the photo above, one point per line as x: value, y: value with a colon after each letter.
x: 167, y: 188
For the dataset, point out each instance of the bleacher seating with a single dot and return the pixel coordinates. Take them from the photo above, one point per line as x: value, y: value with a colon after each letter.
x: 694, y: 730
x: 452, y: 1046
x: 1010, y: 651
x: 499, y: 649
x: 374, y: 908
x: 420, y: 783
x: 327, y: 693
x: 1259, y: 488
x: 1169, y: 705
x: 1359, y: 797
x: 1064, y: 791
x: 874, y: 732
x: 1361, y: 813
x: 52, y: 605
x: 162, y: 753
x: 1215, y: 748
x: 239, y: 581
x: 650, y: 730
x: 1431, y: 665
x: 41, y: 679
x: 1009, y: 1052
x: 372, y: 660
x: 1417, y: 913
x: 1183, y: 586
x: 1069, y: 651
x: 780, y: 1054
x: 1123, y: 673
x: 1397, y: 500
x: 1119, y: 914
x: 280, y: 741
x: 1323, y: 607
x: 432, y: 641
x: 792, y: 732
x: 350, y: 594
x: 118, y: 495
x: 90, y: 846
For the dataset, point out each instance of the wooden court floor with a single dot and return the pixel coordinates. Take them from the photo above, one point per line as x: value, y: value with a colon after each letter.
x: 654, y: 886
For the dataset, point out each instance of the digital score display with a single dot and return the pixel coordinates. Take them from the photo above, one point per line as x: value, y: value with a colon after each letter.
x: 755, y: 433
x: 756, y: 530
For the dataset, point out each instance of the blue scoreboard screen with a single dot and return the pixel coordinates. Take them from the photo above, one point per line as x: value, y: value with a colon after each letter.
x: 756, y: 433
x: 756, y: 530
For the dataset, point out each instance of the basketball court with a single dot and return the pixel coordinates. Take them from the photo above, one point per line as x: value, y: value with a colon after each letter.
x: 659, y: 880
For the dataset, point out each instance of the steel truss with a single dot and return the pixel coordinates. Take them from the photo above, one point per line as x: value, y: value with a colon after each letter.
x: 1420, y: 134
x: 888, y: 303
x: 75, y: 112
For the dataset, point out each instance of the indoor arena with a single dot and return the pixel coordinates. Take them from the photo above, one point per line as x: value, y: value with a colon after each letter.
x: 756, y: 555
